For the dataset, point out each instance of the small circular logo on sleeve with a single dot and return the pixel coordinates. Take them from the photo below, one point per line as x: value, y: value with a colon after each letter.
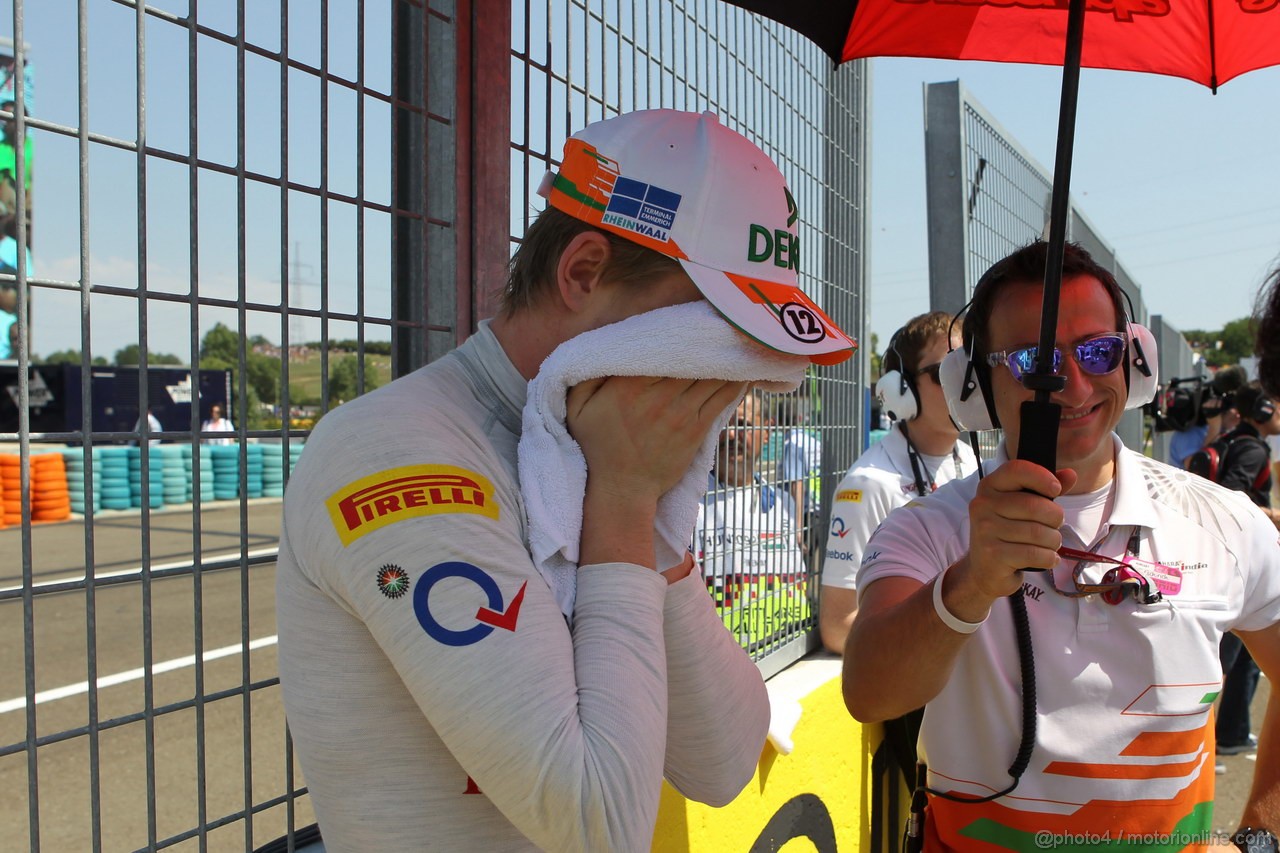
x: 393, y: 581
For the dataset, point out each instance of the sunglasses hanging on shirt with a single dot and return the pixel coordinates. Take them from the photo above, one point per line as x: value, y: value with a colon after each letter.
x: 1147, y: 582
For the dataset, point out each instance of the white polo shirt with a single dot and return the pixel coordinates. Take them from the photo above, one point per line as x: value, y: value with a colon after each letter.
x: 1125, y: 735
x: 878, y: 483
x: 747, y: 530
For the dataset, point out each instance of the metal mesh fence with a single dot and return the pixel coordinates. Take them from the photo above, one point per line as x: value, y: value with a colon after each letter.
x: 256, y: 205
x: 216, y: 212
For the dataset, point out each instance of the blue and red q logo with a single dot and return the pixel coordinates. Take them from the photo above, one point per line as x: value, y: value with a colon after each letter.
x: 495, y: 615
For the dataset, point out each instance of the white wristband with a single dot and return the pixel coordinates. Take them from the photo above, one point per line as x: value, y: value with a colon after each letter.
x: 948, y: 618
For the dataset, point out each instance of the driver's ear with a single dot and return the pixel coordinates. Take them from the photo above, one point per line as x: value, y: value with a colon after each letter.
x: 579, y: 273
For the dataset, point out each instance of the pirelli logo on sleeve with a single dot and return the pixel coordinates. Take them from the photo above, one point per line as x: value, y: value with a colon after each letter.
x: 398, y: 494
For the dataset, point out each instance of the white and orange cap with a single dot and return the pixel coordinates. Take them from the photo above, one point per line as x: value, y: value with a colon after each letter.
x: 688, y: 187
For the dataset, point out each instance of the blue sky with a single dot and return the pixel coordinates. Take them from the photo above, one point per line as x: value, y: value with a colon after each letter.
x: 112, y: 190
x: 1182, y: 183
x: 1179, y: 181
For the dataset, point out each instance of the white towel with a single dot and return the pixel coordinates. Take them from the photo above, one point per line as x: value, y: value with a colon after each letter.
x: 687, y: 341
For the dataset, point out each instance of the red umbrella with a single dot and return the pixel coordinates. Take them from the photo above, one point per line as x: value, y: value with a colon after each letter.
x: 1201, y: 40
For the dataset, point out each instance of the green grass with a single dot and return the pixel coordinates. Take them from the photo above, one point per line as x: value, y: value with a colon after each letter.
x: 305, y: 375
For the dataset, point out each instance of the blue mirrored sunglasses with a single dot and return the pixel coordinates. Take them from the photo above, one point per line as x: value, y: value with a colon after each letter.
x: 1096, y: 356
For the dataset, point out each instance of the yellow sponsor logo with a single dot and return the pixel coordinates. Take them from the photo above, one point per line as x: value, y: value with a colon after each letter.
x: 400, y: 493
x: 851, y: 495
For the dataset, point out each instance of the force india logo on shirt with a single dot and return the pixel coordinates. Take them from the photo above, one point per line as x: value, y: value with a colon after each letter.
x: 397, y: 494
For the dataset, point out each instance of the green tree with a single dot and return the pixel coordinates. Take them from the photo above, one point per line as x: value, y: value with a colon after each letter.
x: 264, y: 376
x: 220, y: 350
x: 1237, y: 339
x: 1225, y: 346
x: 132, y: 354
x: 352, y: 345
x: 71, y: 356
x: 344, y: 375
x: 220, y: 343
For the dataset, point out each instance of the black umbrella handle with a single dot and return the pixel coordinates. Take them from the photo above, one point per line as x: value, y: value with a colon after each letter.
x: 1038, y: 435
x: 1060, y: 200
x: 1038, y: 438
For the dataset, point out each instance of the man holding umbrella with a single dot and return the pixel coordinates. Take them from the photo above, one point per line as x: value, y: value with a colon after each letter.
x: 1126, y: 571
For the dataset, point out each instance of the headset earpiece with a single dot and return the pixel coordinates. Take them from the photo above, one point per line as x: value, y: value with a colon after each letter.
x: 963, y: 386
x: 897, y: 395
x: 1142, y: 368
x: 1263, y: 409
x: 896, y: 391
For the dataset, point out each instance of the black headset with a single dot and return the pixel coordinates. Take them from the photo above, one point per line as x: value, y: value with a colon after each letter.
x: 966, y: 384
x: 1264, y: 408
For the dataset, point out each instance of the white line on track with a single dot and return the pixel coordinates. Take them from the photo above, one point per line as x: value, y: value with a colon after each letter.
x: 137, y: 570
x: 43, y: 696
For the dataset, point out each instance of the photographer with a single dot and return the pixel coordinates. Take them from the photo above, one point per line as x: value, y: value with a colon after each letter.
x: 1197, y: 410
x: 1245, y: 466
x: 1184, y: 415
x: 1219, y: 408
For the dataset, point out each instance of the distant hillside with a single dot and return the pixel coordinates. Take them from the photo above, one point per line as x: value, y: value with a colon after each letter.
x: 304, y: 376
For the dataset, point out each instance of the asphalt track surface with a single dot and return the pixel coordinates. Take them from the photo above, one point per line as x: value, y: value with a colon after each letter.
x: 203, y: 740
x: 195, y: 769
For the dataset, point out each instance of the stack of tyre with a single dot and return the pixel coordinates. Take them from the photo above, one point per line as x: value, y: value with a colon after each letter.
x: 175, y: 473
x: 295, y: 450
x: 50, y: 500
x: 253, y: 470
x: 204, y: 466
x: 272, y: 470
x: 114, y: 476
x: 10, y: 489
x: 82, y: 502
x: 155, y: 476
x: 226, y: 471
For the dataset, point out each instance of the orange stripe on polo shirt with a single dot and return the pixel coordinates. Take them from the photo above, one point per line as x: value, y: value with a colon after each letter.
x: 1166, y: 743
x: 996, y: 826
x: 1085, y: 770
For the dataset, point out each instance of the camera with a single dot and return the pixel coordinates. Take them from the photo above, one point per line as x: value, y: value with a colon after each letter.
x: 1181, y: 404
x: 1186, y: 403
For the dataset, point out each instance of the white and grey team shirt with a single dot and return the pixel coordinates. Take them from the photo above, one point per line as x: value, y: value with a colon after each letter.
x: 1124, y: 692
x: 437, y: 697
x: 878, y: 483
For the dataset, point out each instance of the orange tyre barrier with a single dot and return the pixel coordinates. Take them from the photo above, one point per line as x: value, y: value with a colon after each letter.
x: 50, y: 500
x: 11, y: 484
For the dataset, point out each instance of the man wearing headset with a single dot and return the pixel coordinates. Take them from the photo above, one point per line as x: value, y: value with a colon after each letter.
x: 1246, y: 467
x: 921, y: 452
x: 1126, y: 583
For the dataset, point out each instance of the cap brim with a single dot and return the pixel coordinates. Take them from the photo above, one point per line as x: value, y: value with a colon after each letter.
x: 780, y: 316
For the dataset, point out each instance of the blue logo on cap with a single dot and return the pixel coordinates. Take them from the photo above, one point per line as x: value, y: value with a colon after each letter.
x: 643, y: 203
